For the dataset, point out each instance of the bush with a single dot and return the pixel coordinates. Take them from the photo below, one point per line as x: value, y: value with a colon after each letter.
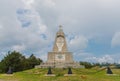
x: 18, y: 62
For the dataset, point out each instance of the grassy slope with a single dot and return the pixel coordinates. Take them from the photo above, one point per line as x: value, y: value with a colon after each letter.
x: 80, y: 75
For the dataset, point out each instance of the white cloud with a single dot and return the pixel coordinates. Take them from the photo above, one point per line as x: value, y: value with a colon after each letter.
x: 1, y: 26
x: 116, y: 39
x: 15, y: 37
x: 96, y: 20
x: 3, y: 53
x: 28, y: 3
x: 81, y: 55
x: 49, y: 3
x: 19, y: 47
x: 104, y: 59
x: 78, y: 42
x: 42, y: 29
x: 84, y: 54
x: 119, y: 62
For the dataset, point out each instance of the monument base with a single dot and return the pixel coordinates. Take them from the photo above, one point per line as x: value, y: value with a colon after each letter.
x: 60, y: 65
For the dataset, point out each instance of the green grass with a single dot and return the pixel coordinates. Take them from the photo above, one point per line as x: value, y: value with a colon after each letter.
x: 79, y: 75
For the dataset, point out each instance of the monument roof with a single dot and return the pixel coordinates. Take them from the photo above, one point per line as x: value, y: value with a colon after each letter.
x: 60, y: 32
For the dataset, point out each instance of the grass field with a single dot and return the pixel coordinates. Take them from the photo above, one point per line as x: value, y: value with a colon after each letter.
x: 79, y: 75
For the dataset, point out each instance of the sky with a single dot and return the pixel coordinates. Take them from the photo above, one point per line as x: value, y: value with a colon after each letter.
x: 92, y: 28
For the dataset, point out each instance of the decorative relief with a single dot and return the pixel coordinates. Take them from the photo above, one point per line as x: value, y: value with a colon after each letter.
x: 60, y: 43
x: 59, y: 57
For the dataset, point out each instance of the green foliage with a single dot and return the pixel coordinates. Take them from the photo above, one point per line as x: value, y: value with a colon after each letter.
x: 18, y: 62
x: 14, y: 60
x: 32, y: 60
x: 87, y: 65
x: 117, y: 66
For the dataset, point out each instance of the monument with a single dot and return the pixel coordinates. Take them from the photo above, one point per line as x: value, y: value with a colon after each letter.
x: 60, y: 57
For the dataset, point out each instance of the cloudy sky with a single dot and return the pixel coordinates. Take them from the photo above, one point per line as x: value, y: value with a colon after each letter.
x: 92, y: 27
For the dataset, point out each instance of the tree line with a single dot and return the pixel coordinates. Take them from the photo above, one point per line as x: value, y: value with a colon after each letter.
x: 18, y: 62
x: 89, y: 65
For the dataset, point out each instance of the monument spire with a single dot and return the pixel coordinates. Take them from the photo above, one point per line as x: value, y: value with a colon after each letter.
x: 60, y: 28
x: 60, y: 44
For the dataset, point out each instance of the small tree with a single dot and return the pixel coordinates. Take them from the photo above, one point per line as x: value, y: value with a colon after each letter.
x: 32, y: 60
x: 18, y: 62
x: 12, y: 59
x: 87, y: 65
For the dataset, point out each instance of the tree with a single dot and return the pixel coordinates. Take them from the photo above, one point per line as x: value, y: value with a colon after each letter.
x: 32, y: 60
x: 18, y: 62
x: 87, y: 65
x: 12, y: 59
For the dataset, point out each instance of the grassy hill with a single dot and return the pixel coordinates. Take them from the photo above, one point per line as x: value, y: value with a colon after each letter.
x: 79, y: 75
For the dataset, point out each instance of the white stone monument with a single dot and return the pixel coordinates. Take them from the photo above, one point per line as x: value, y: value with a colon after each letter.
x: 60, y: 57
